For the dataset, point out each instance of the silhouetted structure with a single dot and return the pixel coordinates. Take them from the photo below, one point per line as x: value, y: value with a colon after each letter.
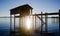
x: 26, y: 10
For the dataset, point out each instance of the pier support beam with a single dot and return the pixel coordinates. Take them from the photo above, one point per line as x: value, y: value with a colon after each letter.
x: 35, y: 22
x: 10, y: 24
x: 46, y: 24
x: 59, y: 22
x: 41, y: 24
x: 14, y: 24
x: 19, y: 22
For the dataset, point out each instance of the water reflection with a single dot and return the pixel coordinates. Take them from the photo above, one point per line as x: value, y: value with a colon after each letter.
x: 53, y: 24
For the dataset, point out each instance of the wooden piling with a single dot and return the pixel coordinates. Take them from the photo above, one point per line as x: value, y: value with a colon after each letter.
x: 35, y: 22
x: 14, y: 24
x: 59, y: 22
x: 46, y: 24
x: 19, y: 22
x: 41, y: 24
x: 10, y: 24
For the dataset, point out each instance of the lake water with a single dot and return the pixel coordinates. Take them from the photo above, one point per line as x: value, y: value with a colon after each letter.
x: 53, y: 24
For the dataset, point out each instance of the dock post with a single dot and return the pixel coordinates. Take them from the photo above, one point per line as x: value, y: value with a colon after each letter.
x: 59, y: 22
x: 46, y: 23
x: 19, y: 23
x: 10, y: 23
x: 14, y: 24
x: 35, y: 21
x: 41, y: 24
x: 32, y: 22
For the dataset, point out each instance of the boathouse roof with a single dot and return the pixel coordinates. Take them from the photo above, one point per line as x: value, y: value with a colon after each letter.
x: 20, y: 9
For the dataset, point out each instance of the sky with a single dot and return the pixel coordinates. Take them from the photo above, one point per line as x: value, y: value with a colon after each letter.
x: 37, y: 5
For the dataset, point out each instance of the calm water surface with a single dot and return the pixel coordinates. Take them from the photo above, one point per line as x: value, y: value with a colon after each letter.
x: 5, y: 22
